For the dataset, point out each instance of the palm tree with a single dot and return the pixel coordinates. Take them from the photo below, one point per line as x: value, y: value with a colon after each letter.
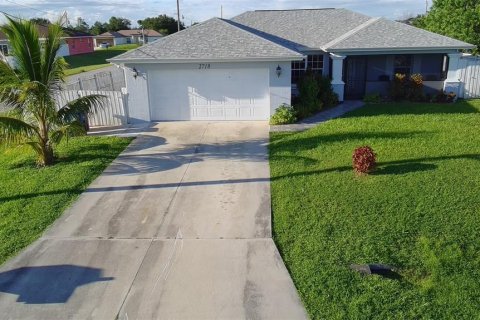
x: 29, y: 89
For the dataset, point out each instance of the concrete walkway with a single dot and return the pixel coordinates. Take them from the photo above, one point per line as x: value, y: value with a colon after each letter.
x: 178, y: 227
x: 320, y: 117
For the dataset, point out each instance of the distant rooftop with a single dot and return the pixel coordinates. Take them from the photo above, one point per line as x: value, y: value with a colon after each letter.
x: 132, y: 32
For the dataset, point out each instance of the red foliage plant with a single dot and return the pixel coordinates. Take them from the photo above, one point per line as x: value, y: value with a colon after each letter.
x: 364, y: 160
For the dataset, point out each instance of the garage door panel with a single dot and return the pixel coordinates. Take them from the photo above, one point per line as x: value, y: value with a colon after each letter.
x: 230, y: 94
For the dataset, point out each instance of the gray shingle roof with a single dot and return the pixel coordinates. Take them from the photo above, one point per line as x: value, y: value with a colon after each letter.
x: 340, y: 29
x: 214, y: 39
x: 310, y: 28
x: 387, y: 34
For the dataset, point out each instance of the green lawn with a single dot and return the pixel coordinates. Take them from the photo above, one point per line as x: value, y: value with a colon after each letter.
x: 95, y: 60
x: 31, y: 198
x: 420, y: 212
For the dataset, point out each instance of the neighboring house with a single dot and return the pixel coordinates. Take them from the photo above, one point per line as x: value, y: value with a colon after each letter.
x: 74, y: 42
x: 4, y: 46
x: 139, y: 36
x: 244, y: 68
x: 78, y: 42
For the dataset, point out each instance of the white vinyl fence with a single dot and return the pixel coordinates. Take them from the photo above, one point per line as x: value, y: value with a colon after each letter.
x: 100, y: 81
x: 470, y: 77
x: 113, y: 112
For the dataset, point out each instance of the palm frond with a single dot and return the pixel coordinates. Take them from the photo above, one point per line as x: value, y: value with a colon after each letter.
x: 35, y: 146
x: 10, y: 97
x: 8, y: 77
x: 83, y: 105
x: 13, y: 130
x: 25, y: 44
x: 66, y: 131
x: 53, y: 67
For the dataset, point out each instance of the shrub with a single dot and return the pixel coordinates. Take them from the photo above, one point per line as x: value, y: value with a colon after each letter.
x: 443, y: 97
x: 284, y: 114
x: 372, y: 98
x: 415, y: 88
x: 308, y: 91
x: 326, y: 94
x: 364, y: 160
x: 398, y: 86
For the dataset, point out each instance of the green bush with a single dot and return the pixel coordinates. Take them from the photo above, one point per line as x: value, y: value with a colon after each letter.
x: 403, y: 88
x: 398, y: 90
x: 315, y: 92
x: 284, y: 114
x: 309, y: 90
x: 372, y: 98
x: 415, y: 88
x: 326, y: 94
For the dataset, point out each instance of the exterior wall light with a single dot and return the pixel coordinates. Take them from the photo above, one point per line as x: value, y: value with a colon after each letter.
x: 135, y: 73
x: 278, y: 71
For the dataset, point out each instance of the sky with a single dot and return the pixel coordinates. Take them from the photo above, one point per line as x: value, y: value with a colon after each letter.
x: 195, y: 10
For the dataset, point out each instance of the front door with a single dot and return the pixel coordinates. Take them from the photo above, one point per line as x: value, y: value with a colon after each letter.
x: 355, y: 77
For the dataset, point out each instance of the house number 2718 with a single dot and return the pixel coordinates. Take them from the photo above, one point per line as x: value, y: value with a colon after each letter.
x: 204, y: 66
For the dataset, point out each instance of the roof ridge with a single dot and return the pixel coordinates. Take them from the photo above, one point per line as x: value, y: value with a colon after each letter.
x: 350, y: 33
x: 162, y: 38
x: 428, y: 31
x: 306, y: 9
x: 236, y: 25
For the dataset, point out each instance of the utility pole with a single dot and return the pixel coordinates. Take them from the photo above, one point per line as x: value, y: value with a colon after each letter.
x: 426, y: 6
x: 178, y: 14
x: 221, y: 11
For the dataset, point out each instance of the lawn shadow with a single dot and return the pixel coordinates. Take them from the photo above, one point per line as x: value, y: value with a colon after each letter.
x: 318, y: 140
x: 390, y: 167
x: 397, y: 169
x: 408, y: 108
x: 48, y: 284
x: 381, y: 270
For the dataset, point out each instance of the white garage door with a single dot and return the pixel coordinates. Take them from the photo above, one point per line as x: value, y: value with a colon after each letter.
x: 211, y: 94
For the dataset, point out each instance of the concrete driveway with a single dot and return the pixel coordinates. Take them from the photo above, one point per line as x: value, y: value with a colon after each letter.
x: 178, y: 227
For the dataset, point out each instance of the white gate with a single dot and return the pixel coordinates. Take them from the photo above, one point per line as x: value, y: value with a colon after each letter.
x: 470, y: 77
x: 114, y: 108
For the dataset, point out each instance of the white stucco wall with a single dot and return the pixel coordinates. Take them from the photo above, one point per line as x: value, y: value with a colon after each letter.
x: 280, y: 87
x: 151, y: 39
x: 118, y: 41
x: 138, y: 89
x: 63, y: 51
x: 137, y: 94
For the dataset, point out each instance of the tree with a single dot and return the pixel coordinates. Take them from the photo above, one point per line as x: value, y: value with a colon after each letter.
x: 41, y: 21
x: 455, y: 18
x: 81, y: 26
x: 98, y: 28
x: 29, y: 92
x: 117, y: 23
x: 163, y: 24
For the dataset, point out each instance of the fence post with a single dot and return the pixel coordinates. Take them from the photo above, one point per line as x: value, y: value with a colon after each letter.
x: 124, y: 95
x: 96, y: 82
x: 80, y: 84
x: 111, y: 80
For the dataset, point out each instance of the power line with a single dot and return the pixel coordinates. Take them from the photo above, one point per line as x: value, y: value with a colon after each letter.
x: 26, y: 6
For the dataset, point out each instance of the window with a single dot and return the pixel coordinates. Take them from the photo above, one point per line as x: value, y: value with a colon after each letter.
x: 314, y: 63
x: 432, y: 67
x: 4, y: 49
x: 402, y: 64
x: 298, y: 69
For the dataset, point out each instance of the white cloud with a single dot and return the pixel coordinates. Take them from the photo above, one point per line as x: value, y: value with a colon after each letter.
x: 194, y: 10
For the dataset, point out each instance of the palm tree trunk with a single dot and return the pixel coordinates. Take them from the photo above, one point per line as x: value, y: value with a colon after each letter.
x: 46, y: 157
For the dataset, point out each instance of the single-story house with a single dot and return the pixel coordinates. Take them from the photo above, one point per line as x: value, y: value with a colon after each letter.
x: 78, y: 42
x: 244, y: 68
x: 115, y: 38
x: 74, y: 42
